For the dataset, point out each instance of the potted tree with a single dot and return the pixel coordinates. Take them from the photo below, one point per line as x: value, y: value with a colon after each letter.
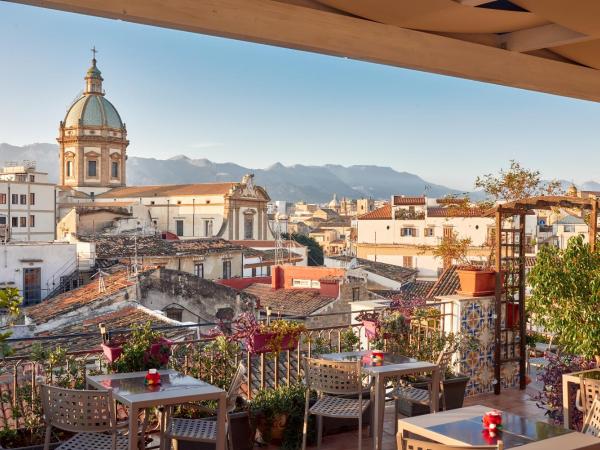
x: 144, y: 349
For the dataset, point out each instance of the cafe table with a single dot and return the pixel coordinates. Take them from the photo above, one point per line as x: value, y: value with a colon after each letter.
x: 463, y: 427
x: 392, y: 366
x: 174, y: 389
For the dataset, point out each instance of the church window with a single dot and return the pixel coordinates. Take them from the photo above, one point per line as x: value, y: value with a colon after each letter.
x: 92, y: 168
x: 14, y: 199
x: 69, y: 168
x: 248, y: 226
x: 23, y: 222
x: 3, y: 199
x: 32, y: 178
x: 114, y: 169
x: 32, y: 198
x: 15, y: 221
x: 23, y: 199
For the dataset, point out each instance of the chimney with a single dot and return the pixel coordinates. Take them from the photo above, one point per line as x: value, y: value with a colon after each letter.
x: 277, y: 277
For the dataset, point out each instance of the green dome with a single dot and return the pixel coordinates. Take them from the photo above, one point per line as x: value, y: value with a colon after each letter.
x: 94, y: 110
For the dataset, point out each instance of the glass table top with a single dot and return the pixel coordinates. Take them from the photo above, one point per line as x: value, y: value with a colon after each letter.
x: 516, y: 431
x: 366, y: 357
x: 135, y: 385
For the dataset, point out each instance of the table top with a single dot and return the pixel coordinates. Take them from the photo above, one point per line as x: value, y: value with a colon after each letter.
x: 392, y: 362
x: 129, y: 388
x: 463, y: 426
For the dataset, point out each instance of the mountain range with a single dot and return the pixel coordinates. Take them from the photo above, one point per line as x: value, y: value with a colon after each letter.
x: 291, y: 183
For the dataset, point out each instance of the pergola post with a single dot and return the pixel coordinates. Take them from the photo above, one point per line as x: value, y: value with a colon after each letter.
x: 498, y: 309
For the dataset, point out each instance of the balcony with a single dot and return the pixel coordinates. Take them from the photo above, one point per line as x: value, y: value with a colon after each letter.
x: 53, y: 361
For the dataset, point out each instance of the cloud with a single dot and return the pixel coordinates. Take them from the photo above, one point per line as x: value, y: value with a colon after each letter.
x: 203, y: 145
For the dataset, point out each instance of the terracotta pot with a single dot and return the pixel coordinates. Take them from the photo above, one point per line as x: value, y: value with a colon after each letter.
x: 270, y: 342
x: 477, y: 283
x: 272, y: 433
x: 112, y: 352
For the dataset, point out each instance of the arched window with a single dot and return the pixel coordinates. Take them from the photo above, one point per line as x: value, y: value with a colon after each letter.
x: 69, y: 168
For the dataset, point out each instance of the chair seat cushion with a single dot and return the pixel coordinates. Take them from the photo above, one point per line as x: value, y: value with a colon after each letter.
x: 339, y: 407
x: 411, y: 394
x: 93, y: 441
x: 193, y: 430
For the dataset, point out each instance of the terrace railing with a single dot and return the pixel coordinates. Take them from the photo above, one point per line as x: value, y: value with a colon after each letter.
x: 52, y: 362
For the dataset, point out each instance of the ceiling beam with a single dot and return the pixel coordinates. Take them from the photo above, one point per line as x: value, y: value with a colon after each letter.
x: 304, y: 28
x: 545, y: 36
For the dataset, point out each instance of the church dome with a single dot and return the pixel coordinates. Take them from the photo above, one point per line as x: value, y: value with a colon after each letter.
x: 93, y: 110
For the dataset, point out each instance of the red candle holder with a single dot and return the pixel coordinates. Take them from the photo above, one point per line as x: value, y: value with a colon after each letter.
x: 152, y: 378
x: 492, y: 422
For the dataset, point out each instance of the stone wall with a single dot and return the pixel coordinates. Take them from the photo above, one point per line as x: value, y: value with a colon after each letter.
x: 201, y: 301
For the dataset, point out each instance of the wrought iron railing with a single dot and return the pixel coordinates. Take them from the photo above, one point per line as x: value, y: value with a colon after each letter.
x: 20, y: 376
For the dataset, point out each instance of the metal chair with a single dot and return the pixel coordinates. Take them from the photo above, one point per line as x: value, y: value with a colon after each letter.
x: 589, y: 389
x: 89, y: 414
x: 200, y: 430
x: 414, y: 444
x: 591, y: 424
x: 421, y: 396
x: 334, y: 381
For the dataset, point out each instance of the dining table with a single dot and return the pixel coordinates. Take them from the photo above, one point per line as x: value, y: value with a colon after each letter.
x: 175, y: 388
x: 464, y: 427
x: 392, y: 365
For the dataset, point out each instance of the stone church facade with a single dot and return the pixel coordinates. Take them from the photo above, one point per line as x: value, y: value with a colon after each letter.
x: 93, y: 144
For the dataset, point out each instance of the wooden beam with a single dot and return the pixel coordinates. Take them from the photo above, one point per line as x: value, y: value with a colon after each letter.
x: 305, y: 28
x: 546, y: 36
x: 472, y: 2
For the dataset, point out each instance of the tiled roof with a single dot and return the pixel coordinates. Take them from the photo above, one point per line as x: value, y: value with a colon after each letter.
x: 289, y: 302
x: 257, y: 243
x: 414, y: 289
x: 126, y: 246
x: 447, y: 283
x: 75, y: 299
x: 570, y: 220
x: 168, y: 190
x: 383, y: 213
x: 439, y: 211
x: 123, y: 318
x: 400, y: 200
x: 389, y: 271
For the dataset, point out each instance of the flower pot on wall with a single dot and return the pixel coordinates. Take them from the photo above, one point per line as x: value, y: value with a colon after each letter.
x: 476, y: 282
x: 269, y: 342
x: 112, y: 351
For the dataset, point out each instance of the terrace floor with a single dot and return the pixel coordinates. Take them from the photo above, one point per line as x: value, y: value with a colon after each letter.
x: 510, y: 400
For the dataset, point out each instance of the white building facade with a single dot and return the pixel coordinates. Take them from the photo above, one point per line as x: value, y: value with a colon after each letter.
x: 27, y: 204
x: 36, y: 268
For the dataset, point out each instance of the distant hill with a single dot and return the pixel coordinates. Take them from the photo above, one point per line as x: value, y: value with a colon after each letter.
x: 292, y: 183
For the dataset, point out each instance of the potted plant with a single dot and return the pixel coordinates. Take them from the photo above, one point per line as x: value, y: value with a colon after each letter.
x: 279, y: 415
x: 144, y: 349
x: 266, y: 337
x: 454, y: 383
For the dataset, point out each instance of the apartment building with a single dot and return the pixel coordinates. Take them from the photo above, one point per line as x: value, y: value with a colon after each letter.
x: 27, y: 204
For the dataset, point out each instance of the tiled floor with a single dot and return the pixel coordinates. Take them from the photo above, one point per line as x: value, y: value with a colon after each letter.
x: 510, y: 400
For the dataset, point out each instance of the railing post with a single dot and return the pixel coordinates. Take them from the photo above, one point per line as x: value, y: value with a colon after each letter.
x: 249, y: 366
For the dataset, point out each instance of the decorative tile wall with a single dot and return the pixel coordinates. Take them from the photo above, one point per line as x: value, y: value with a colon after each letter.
x: 476, y: 318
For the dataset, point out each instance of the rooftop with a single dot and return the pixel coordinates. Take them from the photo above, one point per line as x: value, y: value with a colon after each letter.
x: 289, y: 302
x: 447, y: 283
x: 389, y: 271
x: 440, y: 211
x: 401, y: 200
x: 127, y: 246
x: 168, y: 190
x: 383, y: 213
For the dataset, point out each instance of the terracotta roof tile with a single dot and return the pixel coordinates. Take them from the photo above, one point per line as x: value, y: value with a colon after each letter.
x: 168, y: 190
x: 400, y: 200
x: 389, y: 271
x: 439, y: 211
x: 383, y: 213
x: 289, y: 302
x: 75, y: 299
x: 262, y: 243
x: 124, y: 246
x: 447, y: 283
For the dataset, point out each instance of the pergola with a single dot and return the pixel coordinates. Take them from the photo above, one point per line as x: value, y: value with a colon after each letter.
x: 550, y: 46
x: 510, y: 342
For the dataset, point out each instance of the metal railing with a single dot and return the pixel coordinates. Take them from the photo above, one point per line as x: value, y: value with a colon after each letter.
x: 20, y: 376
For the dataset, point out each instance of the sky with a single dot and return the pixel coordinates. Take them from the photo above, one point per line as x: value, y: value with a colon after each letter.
x: 231, y: 101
